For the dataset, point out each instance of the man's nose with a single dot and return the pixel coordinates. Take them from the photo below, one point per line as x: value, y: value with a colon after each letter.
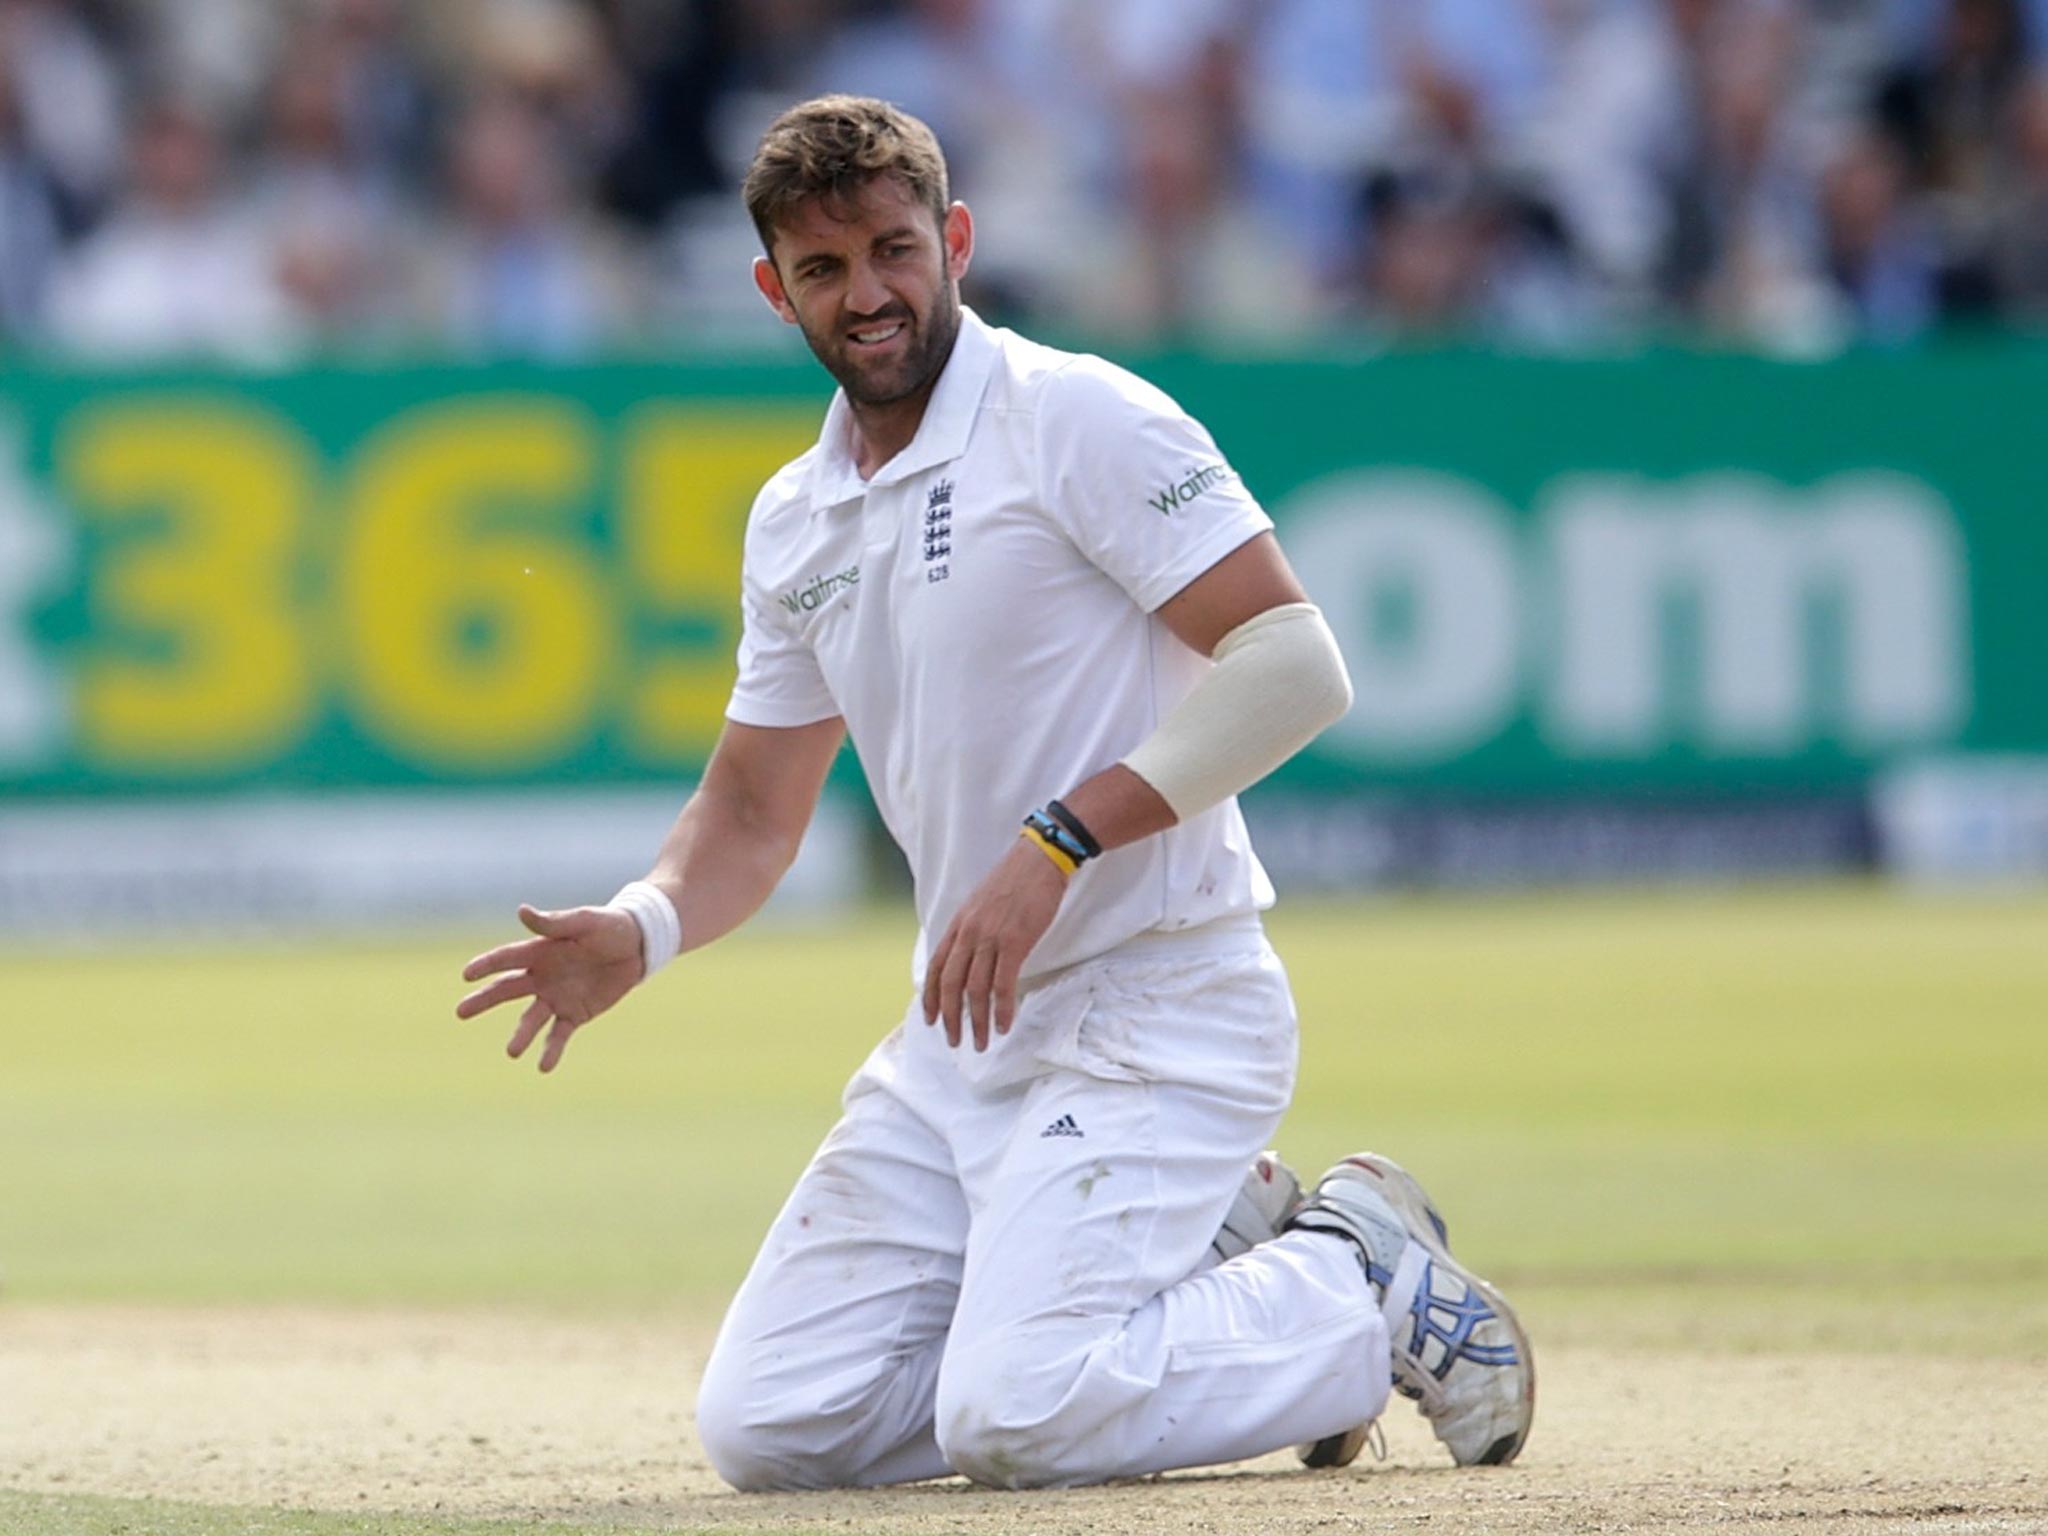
x: 865, y: 291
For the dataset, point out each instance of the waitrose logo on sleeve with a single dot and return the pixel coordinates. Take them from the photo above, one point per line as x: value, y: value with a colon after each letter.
x: 821, y: 591
x: 1170, y: 498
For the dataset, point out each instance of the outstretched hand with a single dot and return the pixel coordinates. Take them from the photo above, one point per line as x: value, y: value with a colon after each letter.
x: 972, y: 975
x: 579, y: 963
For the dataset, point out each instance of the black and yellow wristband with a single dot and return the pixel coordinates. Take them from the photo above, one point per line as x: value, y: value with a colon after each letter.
x: 1090, y: 848
x: 1045, y: 845
x: 1058, y: 840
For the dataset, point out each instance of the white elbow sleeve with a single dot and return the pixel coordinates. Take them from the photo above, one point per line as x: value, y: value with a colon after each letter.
x: 1278, y: 680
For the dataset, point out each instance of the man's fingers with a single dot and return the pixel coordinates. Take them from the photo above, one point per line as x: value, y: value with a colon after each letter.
x: 531, y: 1023
x: 1006, y: 991
x: 934, y: 971
x: 951, y: 983
x: 546, y: 924
x: 503, y: 990
x: 519, y: 955
x: 558, y: 1041
x: 980, y: 970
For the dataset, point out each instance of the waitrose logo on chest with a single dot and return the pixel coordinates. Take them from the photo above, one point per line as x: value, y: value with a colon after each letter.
x: 821, y: 591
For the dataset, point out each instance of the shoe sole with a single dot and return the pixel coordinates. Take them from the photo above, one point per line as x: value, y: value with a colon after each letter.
x: 1427, y: 1227
x: 1334, y: 1450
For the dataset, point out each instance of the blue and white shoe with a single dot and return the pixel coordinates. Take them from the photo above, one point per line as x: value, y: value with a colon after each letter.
x: 1458, y: 1348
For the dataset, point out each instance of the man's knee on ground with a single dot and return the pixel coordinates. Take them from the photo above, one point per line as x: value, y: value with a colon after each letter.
x: 742, y: 1450
x: 760, y: 1445
x: 1007, y: 1415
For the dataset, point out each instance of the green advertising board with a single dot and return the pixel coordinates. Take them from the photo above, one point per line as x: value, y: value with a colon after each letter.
x: 1661, y: 574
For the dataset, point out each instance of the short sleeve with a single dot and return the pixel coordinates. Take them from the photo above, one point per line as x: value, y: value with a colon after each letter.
x: 1137, y: 483
x: 779, y: 683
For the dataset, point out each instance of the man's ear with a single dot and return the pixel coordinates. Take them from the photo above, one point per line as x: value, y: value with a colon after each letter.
x: 769, y: 281
x: 958, y: 231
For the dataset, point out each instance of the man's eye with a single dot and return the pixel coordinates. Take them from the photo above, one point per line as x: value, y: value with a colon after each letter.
x: 895, y: 252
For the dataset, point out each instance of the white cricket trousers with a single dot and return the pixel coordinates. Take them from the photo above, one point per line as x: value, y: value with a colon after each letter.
x: 991, y: 1265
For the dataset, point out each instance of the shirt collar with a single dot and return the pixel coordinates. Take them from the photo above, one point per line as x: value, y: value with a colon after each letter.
x: 941, y: 436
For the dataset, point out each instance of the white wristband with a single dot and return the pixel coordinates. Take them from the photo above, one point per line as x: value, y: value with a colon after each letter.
x: 661, y: 931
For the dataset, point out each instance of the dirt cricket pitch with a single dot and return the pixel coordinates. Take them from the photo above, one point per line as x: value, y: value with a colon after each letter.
x: 540, y: 1418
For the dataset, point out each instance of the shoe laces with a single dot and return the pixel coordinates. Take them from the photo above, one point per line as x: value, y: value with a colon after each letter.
x: 1409, y: 1298
x: 1376, y: 1440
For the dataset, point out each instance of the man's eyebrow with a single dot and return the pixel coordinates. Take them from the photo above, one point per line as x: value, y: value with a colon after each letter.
x: 900, y: 232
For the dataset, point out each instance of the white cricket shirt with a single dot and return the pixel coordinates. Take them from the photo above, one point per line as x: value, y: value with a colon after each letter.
x: 981, y: 614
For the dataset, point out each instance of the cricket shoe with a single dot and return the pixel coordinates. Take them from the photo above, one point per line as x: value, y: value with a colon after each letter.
x: 1269, y: 1195
x: 1458, y: 1349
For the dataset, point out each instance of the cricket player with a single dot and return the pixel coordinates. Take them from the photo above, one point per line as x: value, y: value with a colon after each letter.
x: 1059, y: 630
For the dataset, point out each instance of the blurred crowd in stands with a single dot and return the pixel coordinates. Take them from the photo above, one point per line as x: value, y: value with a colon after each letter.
x: 270, y: 180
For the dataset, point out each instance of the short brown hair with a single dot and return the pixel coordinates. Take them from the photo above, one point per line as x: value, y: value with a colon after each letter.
x: 833, y: 146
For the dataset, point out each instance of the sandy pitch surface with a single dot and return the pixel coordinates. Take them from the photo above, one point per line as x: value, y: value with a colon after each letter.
x: 539, y: 1417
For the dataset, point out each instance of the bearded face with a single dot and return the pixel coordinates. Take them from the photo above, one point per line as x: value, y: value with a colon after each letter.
x: 870, y: 279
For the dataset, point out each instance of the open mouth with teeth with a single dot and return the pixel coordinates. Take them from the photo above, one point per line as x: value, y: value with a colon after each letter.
x: 876, y: 335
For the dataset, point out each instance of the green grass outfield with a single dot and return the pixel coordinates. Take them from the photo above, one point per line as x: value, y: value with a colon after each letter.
x: 1777, y: 1119
x: 1781, y: 1087
x: 1633, y: 1092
